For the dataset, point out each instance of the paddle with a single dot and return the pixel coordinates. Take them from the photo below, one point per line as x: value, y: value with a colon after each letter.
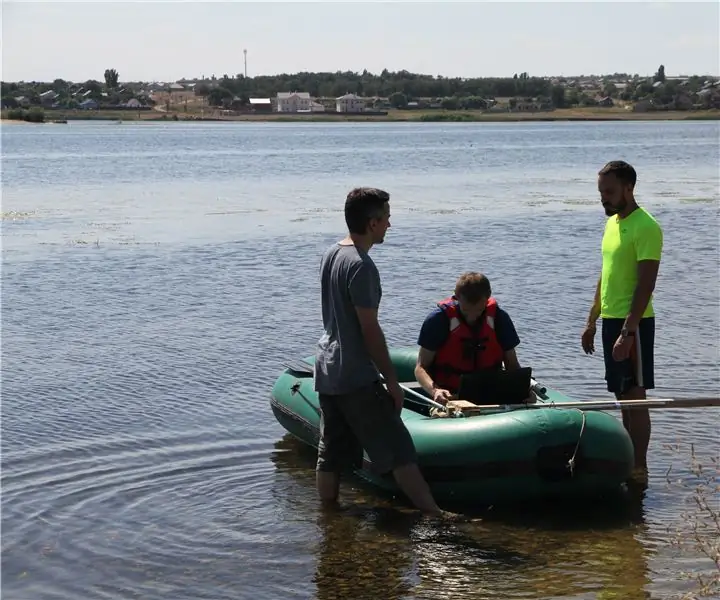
x: 302, y: 367
x: 654, y: 403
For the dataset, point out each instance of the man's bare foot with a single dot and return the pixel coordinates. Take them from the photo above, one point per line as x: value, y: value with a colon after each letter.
x: 638, y: 481
x: 451, y: 517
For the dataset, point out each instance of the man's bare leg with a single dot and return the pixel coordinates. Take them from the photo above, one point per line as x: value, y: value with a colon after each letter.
x: 411, y: 481
x: 637, y: 424
x: 328, y: 487
x: 413, y: 484
x: 408, y: 477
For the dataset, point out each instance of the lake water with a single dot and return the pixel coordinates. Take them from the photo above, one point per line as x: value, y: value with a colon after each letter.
x: 155, y: 277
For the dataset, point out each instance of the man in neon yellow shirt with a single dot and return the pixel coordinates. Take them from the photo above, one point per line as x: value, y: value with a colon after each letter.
x: 631, y: 249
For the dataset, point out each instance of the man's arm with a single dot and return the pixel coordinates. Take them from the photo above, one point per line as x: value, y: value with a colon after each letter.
x: 647, y: 276
x: 364, y: 289
x: 510, y: 360
x: 433, y: 334
x: 424, y: 362
x: 375, y: 343
x: 595, y: 308
x: 648, y: 249
x: 508, y: 339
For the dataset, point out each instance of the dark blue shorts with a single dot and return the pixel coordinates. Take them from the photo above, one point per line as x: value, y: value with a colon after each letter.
x: 638, y: 369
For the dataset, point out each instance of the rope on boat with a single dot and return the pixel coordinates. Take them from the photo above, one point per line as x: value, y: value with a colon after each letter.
x: 445, y: 412
x: 571, y: 462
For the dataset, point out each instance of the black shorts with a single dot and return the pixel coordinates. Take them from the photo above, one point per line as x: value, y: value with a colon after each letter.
x: 638, y: 369
x: 365, y: 419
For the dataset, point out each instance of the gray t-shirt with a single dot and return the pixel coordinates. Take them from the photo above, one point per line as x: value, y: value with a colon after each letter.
x: 348, y: 278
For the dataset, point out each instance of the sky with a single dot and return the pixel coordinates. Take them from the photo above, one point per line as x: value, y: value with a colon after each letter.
x: 166, y: 41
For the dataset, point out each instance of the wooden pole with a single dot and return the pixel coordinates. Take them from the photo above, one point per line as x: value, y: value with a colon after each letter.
x: 654, y: 403
x: 603, y: 404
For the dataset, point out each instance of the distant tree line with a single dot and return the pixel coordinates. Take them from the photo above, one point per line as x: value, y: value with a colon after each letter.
x: 400, y: 87
x: 111, y: 92
x: 413, y: 85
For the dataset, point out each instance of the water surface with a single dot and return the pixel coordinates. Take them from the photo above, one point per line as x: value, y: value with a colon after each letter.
x: 155, y: 277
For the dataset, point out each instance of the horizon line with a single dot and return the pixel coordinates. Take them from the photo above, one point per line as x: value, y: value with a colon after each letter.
x: 360, y: 73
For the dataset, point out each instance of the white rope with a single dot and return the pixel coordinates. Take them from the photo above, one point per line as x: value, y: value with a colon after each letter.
x: 571, y: 462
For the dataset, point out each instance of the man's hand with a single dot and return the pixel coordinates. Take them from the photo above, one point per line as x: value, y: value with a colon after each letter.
x: 441, y: 396
x: 588, y: 339
x: 397, y: 394
x: 621, y: 349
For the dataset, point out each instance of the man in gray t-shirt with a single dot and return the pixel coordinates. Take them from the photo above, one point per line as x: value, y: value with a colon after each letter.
x: 349, y: 279
x: 357, y: 412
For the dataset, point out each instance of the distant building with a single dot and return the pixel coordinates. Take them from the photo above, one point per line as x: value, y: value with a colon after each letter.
x: 293, y: 102
x: 263, y: 105
x: 528, y: 106
x: 349, y: 103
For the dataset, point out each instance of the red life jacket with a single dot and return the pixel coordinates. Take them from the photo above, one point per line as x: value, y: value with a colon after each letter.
x: 467, y: 350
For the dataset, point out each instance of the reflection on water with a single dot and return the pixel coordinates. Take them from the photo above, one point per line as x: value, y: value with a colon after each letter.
x: 373, y: 549
x: 149, y: 298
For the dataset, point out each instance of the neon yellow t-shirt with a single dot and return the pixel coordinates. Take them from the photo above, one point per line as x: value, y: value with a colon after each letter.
x: 626, y: 242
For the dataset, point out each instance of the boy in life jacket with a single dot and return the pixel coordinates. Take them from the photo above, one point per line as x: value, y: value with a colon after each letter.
x: 466, y: 333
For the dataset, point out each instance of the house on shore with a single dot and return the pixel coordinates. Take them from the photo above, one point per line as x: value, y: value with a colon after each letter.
x: 261, y: 105
x: 349, y: 103
x: 293, y: 102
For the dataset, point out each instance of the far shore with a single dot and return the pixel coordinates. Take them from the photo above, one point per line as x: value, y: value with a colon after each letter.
x: 394, y: 116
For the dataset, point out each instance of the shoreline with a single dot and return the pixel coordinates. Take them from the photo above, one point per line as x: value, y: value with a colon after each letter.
x: 393, y: 116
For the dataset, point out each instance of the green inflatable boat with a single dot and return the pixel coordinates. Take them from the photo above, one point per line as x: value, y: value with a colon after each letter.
x: 493, y: 458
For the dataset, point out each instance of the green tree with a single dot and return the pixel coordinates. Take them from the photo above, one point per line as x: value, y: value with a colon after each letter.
x: 218, y: 96
x: 202, y: 89
x: 450, y: 103
x: 609, y: 89
x: 473, y: 102
x: 660, y: 75
x: 111, y: 79
x: 642, y: 90
x: 665, y: 94
x: 557, y: 95
x: 398, y: 100
x: 95, y: 89
x: 572, y: 98
x: 60, y: 86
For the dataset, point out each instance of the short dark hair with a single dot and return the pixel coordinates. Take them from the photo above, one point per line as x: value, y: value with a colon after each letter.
x: 363, y: 204
x: 622, y: 170
x: 473, y: 286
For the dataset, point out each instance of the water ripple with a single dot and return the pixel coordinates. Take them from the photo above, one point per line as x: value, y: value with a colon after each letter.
x: 147, y: 308
x: 152, y: 503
